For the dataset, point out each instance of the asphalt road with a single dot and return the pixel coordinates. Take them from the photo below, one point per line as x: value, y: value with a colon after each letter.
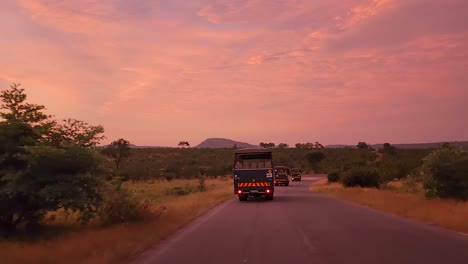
x: 301, y: 226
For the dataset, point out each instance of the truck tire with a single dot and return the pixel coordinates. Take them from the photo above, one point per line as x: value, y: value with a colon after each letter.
x: 242, y: 198
x: 287, y: 184
x: 269, y: 197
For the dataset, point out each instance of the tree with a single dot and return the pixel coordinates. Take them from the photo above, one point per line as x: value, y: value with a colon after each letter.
x: 317, y: 145
x: 314, y: 159
x: 118, y: 150
x: 35, y: 175
x: 362, y: 145
x: 48, y: 131
x: 445, y: 173
x: 15, y: 109
x: 389, y: 149
x: 267, y: 145
x: 283, y: 145
x: 76, y: 132
x: 184, y: 144
x: 309, y: 145
x: 13, y: 101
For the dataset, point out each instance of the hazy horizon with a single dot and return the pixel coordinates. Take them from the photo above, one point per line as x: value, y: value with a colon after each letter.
x: 160, y: 72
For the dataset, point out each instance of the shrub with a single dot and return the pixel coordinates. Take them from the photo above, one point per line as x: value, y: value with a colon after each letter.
x: 121, y: 206
x: 363, y: 177
x: 181, y: 190
x: 169, y: 177
x: 391, y: 170
x: 445, y: 173
x: 334, y: 176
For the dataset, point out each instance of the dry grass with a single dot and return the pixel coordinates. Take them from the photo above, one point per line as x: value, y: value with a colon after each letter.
x: 120, y: 243
x: 446, y: 213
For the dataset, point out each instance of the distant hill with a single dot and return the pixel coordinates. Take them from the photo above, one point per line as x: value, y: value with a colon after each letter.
x: 223, y: 143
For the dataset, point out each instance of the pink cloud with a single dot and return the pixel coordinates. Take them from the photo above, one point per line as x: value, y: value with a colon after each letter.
x: 333, y: 71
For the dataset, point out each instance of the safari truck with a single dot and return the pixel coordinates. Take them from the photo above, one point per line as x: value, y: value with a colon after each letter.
x: 253, y: 173
x: 282, y: 175
x: 296, y: 174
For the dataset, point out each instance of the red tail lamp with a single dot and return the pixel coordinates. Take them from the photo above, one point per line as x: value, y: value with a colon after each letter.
x: 239, y: 191
x: 267, y: 191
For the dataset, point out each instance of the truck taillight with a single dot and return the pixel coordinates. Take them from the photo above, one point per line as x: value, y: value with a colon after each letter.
x: 267, y: 191
x: 239, y: 191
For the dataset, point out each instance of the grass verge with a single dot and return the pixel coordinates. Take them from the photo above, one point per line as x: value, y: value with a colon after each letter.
x: 446, y: 213
x: 121, y: 243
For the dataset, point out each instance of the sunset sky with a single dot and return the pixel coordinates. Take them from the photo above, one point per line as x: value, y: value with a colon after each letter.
x: 157, y: 72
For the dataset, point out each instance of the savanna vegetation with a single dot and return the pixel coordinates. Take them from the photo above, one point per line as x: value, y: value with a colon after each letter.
x: 64, y: 197
x: 428, y: 185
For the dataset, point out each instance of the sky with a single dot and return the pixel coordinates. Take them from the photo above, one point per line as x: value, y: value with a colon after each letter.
x: 157, y: 72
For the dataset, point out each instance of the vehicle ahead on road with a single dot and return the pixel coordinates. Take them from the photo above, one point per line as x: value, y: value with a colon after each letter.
x: 253, y: 173
x: 296, y: 174
x: 282, y: 175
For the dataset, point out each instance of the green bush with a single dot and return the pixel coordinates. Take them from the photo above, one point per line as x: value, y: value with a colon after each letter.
x: 445, y: 173
x: 181, y: 190
x: 121, y: 206
x: 363, y: 177
x: 334, y: 176
x: 393, y: 170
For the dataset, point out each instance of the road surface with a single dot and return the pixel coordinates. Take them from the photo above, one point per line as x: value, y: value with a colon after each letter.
x: 301, y: 226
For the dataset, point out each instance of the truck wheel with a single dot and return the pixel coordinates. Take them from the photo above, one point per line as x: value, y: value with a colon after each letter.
x: 242, y: 198
x: 269, y: 197
x: 287, y: 184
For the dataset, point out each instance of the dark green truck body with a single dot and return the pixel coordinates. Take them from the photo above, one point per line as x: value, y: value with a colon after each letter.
x: 253, y: 173
x: 296, y: 174
x: 282, y: 175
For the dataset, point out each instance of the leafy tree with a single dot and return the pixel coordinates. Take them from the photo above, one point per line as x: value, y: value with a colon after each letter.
x: 76, y: 132
x: 13, y: 101
x: 184, y: 144
x: 15, y: 109
x: 36, y: 176
x: 118, y: 150
x: 283, y: 145
x: 445, y: 173
x: 389, y: 149
x: 362, y: 145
